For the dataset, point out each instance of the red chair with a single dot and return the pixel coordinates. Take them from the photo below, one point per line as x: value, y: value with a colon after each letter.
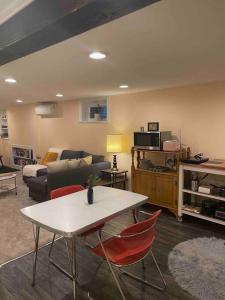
x: 66, y: 190
x: 63, y: 191
x: 132, y: 245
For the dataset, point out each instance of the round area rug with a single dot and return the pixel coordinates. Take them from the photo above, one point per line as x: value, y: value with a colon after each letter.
x: 198, y: 266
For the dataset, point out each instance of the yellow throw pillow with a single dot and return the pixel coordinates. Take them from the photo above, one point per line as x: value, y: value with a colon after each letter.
x: 49, y: 157
x: 86, y: 161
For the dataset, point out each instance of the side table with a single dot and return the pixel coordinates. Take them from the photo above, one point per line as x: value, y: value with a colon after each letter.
x: 114, y: 178
x: 8, y: 187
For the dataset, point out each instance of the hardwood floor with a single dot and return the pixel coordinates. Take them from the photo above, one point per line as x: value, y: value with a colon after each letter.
x: 95, y: 276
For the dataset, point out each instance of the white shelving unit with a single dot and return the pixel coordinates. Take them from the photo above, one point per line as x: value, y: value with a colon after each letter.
x: 3, y: 124
x: 22, y: 155
x: 182, y: 191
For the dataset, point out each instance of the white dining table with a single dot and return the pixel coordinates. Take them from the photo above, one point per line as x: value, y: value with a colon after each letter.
x: 71, y: 215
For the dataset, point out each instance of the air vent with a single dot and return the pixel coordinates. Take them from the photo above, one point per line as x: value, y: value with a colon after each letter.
x: 46, y: 109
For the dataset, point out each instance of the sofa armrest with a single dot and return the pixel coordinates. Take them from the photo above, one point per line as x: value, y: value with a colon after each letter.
x: 42, y: 172
x: 98, y: 167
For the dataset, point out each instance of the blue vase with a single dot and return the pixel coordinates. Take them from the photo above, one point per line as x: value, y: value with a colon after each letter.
x: 90, y: 195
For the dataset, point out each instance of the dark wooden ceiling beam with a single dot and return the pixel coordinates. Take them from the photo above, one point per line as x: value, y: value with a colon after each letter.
x: 47, y: 22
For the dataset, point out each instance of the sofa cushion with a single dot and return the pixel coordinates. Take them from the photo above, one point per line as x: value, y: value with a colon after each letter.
x: 86, y: 161
x: 74, y: 163
x: 95, y: 158
x: 70, y: 154
x: 58, y: 166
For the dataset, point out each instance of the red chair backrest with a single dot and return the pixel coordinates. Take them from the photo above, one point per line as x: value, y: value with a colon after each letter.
x: 66, y: 190
x: 140, y: 236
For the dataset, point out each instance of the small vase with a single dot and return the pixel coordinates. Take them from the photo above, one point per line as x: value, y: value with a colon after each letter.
x: 90, y: 195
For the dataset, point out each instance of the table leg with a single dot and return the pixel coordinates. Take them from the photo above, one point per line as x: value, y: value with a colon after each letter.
x: 73, y: 267
x: 125, y: 181
x: 35, y: 254
x: 114, y: 180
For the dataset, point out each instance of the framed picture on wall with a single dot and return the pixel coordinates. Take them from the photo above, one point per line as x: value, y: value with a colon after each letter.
x: 153, y: 126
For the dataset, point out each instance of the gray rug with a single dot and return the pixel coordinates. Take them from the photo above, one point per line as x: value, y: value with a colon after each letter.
x: 16, y: 234
x: 198, y: 266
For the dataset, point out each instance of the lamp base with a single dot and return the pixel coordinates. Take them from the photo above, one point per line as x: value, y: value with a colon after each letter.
x: 114, y: 168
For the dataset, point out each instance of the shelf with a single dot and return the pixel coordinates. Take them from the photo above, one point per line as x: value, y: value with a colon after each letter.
x: 200, y: 216
x: 204, y: 195
x: 171, y: 173
x: 21, y: 157
x: 201, y: 169
x: 157, y: 151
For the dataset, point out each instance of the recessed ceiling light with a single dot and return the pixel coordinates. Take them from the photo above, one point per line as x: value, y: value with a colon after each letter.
x: 19, y: 101
x: 123, y: 86
x: 10, y: 80
x: 59, y: 95
x: 97, y: 55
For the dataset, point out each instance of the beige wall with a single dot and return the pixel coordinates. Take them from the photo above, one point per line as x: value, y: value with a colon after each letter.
x: 198, y: 111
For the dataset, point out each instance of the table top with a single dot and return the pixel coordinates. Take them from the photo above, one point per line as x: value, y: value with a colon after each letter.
x: 71, y: 215
x: 5, y: 176
x: 109, y: 171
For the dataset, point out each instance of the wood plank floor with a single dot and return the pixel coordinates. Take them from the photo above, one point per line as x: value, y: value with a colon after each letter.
x: 95, y: 276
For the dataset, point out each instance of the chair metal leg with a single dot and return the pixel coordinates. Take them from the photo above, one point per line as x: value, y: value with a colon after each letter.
x: 160, y: 273
x: 111, y: 269
x: 143, y: 264
x: 160, y: 288
x: 35, y: 254
x: 135, y: 217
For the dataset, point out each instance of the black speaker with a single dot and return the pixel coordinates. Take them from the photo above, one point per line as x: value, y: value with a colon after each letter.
x: 208, y: 207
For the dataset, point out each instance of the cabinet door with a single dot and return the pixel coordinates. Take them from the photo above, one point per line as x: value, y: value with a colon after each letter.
x: 166, y: 191
x: 144, y: 183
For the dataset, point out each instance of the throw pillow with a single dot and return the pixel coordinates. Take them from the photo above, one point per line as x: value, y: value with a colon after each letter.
x: 86, y: 161
x: 49, y: 157
x: 73, y: 163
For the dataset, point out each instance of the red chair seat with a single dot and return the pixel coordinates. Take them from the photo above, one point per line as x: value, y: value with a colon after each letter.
x: 119, y: 253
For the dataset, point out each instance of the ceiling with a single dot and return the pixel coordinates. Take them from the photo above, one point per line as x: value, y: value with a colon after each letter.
x: 170, y: 43
x: 10, y: 8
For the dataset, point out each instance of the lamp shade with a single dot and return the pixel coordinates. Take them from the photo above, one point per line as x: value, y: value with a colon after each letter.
x: 114, y: 143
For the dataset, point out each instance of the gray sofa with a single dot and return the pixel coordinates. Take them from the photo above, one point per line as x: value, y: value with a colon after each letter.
x: 52, y: 178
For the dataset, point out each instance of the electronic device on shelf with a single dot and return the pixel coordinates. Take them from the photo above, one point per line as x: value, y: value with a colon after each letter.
x: 208, y: 207
x: 197, y: 159
x: 220, y: 211
x: 151, y: 140
x: 205, y: 189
